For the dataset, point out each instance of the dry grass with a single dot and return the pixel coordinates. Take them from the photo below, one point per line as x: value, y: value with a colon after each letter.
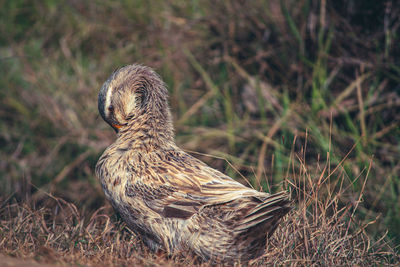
x: 320, y: 230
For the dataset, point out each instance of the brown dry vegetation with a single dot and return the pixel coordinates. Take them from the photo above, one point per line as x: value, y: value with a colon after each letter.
x: 318, y: 231
x: 300, y: 95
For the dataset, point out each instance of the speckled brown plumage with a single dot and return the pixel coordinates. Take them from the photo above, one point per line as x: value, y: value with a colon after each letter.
x: 171, y: 199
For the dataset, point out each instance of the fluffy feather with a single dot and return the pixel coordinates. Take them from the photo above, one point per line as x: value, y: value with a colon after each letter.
x: 171, y: 199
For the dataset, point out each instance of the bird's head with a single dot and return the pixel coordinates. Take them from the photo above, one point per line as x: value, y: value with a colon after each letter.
x: 134, y: 93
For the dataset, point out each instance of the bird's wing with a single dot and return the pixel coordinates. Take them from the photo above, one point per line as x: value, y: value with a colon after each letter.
x: 179, y: 185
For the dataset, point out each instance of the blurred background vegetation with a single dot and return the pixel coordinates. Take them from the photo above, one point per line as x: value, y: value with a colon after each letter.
x: 253, y: 82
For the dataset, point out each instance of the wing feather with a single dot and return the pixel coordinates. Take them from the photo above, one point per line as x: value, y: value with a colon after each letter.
x: 184, y: 185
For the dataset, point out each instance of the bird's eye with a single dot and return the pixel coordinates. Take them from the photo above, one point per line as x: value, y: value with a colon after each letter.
x: 111, y: 108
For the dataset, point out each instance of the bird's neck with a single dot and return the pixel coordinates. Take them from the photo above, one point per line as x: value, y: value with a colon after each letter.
x: 147, y: 132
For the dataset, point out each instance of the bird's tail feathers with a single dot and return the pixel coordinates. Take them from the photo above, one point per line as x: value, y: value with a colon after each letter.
x: 273, y: 208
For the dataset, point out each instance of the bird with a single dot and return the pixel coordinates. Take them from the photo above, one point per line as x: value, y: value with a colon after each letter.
x: 170, y: 199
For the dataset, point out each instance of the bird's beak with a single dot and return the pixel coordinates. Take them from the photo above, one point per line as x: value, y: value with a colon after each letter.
x: 116, y: 127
